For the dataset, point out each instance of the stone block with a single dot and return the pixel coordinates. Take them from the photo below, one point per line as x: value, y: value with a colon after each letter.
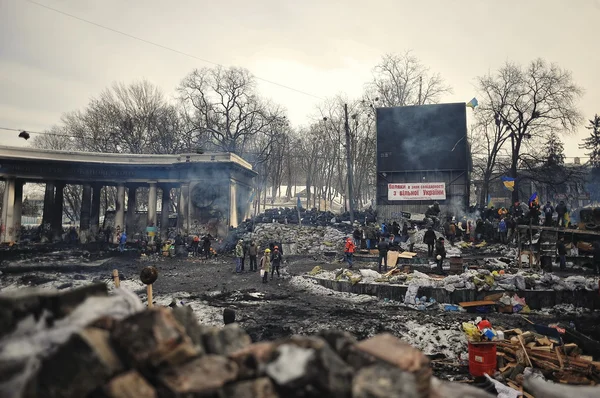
x: 259, y: 388
x: 389, y: 349
x: 225, y: 340
x: 252, y: 360
x: 85, y: 362
x: 186, y: 317
x: 340, y: 341
x: 152, y: 338
x: 308, y: 366
x: 129, y: 385
x: 201, y: 377
x: 384, y: 381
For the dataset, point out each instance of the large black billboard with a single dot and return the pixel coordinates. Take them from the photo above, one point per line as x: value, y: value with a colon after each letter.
x: 422, y: 137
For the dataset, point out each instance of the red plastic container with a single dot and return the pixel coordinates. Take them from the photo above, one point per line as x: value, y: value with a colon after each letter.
x: 482, y: 358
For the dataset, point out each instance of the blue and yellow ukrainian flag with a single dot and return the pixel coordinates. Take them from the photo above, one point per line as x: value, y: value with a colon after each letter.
x: 509, y: 183
x: 534, y: 199
x: 472, y: 104
x: 489, y: 202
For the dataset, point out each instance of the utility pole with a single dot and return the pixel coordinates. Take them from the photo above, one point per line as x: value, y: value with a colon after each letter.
x: 420, y: 88
x: 349, y: 164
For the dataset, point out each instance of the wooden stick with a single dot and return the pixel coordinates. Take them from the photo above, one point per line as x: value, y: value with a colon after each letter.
x: 116, y: 278
x: 527, y: 319
x: 560, y: 361
x: 149, y: 292
x: 524, y: 350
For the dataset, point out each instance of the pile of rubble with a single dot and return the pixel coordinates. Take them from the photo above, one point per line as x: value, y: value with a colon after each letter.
x: 562, y: 363
x: 287, y: 215
x: 480, y: 280
x: 299, y: 239
x: 85, y: 343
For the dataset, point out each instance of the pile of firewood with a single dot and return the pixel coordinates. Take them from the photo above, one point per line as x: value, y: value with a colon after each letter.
x: 562, y: 363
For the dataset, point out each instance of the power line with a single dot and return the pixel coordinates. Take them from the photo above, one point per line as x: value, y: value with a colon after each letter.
x: 37, y: 132
x: 162, y: 46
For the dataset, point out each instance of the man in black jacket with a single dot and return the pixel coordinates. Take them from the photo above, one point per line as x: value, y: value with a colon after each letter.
x: 429, y: 240
x: 383, y: 248
x: 440, y: 254
x: 548, y: 211
x: 561, y: 210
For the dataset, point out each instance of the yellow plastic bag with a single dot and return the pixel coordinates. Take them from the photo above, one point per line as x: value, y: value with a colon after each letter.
x: 473, y: 334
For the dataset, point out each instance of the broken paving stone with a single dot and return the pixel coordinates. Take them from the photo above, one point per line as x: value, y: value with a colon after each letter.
x: 186, y: 317
x: 258, y: 388
x: 129, y: 385
x: 200, y: 377
x: 85, y: 362
x: 252, y: 360
x: 225, y: 340
x: 384, y: 381
x: 308, y: 365
x: 340, y: 341
x: 387, y: 348
x: 152, y: 338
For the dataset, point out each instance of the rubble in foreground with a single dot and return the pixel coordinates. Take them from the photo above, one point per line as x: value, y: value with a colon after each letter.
x: 86, y: 343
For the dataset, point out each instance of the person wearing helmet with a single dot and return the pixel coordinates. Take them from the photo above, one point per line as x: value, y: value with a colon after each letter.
x: 276, y: 259
x: 440, y: 254
x: 349, y: 251
x: 265, y: 265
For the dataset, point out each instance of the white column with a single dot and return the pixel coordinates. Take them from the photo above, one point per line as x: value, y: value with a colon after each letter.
x: 8, y: 204
x: 151, y: 208
x: 183, y: 224
x: 233, y: 218
x: 119, y: 211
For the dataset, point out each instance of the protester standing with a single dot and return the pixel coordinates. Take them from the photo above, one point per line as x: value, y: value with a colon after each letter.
x: 239, y: 254
x: 383, y: 248
x: 276, y: 259
x: 349, y: 251
x: 252, y: 253
x: 122, y: 241
x: 440, y: 254
x: 265, y: 265
x: 429, y: 240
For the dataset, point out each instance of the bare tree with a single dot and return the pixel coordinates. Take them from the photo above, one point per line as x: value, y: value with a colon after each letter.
x: 532, y: 102
x: 224, y: 109
x: 487, y: 139
x: 134, y: 118
x: 401, y: 79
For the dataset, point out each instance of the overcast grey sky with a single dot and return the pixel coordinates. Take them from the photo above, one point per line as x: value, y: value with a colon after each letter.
x: 50, y: 63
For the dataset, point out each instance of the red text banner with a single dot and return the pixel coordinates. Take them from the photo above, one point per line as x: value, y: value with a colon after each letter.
x: 417, y: 191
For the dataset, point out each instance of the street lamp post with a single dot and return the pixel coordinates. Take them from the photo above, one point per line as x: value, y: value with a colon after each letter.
x: 349, y: 165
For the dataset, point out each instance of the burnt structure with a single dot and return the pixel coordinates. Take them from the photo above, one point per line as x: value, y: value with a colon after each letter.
x: 211, y: 185
x: 422, y: 156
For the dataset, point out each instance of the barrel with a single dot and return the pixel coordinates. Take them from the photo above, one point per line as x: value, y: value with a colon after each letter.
x: 482, y: 358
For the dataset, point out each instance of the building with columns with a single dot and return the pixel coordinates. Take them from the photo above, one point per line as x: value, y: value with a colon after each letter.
x: 211, y: 186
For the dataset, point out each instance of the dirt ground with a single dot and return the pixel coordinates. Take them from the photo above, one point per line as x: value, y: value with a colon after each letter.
x: 282, y: 307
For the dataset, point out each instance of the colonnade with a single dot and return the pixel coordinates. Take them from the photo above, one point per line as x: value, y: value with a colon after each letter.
x: 10, y: 224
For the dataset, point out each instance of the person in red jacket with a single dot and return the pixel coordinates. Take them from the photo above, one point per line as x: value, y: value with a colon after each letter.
x: 349, y: 251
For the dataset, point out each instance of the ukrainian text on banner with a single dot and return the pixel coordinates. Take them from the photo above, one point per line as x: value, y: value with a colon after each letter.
x: 417, y: 191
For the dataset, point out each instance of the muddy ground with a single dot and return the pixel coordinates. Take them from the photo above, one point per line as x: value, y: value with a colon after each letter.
x: 282, y: 307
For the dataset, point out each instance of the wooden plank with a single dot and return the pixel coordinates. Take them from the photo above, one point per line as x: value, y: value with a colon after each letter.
x: 392, y: 258
x: 493, y: 297
x: 476, y: 303
x: 560, y: 361
x: 525, y: 351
